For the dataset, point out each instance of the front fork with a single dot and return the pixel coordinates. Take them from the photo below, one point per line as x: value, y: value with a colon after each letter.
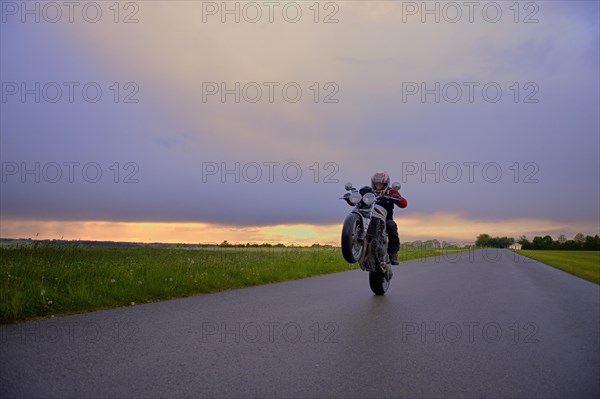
x: 380, y: 250
x: 363, y: 238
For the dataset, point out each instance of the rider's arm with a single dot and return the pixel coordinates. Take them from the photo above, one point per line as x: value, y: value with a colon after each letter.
x: 402, y: 203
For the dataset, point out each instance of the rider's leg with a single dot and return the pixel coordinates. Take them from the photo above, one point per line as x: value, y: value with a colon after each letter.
x: 393, y: 241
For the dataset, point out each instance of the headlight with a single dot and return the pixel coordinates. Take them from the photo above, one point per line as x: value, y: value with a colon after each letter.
x: 368, y: 198
x: 354, y: 198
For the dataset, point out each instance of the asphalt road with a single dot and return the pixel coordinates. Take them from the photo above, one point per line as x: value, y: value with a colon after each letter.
x: 478, y: 324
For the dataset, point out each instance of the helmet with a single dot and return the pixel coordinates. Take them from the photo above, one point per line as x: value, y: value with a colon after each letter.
x: 380, y: 182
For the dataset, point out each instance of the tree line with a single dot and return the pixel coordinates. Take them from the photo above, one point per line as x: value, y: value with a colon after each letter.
x: 579, y: 242
x: 485, y: 240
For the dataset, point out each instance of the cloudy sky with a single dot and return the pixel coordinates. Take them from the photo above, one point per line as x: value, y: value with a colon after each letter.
x: 191, y: 121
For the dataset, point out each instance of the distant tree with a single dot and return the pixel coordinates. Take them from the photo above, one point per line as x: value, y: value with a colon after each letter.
x: 525, y: 243
x: 562, y: 239
x: 592, y: 243
x: 537, y: 243
x: 483, y: 240
x: 545, y: 242
x: 225, y: 244
x: 580, y: 238
x: 522, y: 238
x: 570, y: 245
x: 501, y: 242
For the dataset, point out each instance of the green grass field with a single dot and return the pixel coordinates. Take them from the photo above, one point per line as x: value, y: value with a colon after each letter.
x: 584, y: 264
x: 44, y: 280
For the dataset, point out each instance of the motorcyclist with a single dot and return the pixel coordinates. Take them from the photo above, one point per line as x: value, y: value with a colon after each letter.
x: 380, y: 184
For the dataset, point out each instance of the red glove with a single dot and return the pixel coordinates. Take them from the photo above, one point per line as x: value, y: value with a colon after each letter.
x: 401, y: 202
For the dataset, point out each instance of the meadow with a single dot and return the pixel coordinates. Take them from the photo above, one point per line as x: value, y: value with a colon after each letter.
x: 51, y: 280
x: 584, y: 264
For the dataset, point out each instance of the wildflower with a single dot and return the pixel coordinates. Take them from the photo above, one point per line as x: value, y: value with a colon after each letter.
x: 132, y: 303
x: 112, y: 280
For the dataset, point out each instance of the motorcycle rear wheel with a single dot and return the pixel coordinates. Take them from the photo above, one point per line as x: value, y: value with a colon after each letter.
x: 378, y: 283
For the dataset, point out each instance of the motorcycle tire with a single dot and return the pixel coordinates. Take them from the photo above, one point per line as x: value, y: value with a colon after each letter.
x: 378, y: 283
x: 352, y: 250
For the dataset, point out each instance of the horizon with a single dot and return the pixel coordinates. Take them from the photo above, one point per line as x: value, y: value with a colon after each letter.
x: 442, y: 243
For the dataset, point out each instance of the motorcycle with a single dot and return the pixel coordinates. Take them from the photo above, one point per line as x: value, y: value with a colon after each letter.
x: 364, y: 235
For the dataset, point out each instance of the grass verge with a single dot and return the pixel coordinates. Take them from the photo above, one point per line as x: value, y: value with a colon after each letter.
x: 584, y: 264
x: 44, y: 280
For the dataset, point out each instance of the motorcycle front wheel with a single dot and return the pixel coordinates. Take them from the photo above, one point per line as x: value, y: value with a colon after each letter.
x: 352, y: 248
x: 378, y: 283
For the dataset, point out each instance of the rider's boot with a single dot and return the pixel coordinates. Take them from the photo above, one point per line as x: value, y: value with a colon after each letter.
x: 394, y: 258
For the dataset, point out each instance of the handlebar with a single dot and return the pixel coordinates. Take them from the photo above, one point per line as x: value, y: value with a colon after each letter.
x: 389, y: 197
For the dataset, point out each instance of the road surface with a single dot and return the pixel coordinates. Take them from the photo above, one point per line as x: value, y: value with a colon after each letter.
x: 477, y: 324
